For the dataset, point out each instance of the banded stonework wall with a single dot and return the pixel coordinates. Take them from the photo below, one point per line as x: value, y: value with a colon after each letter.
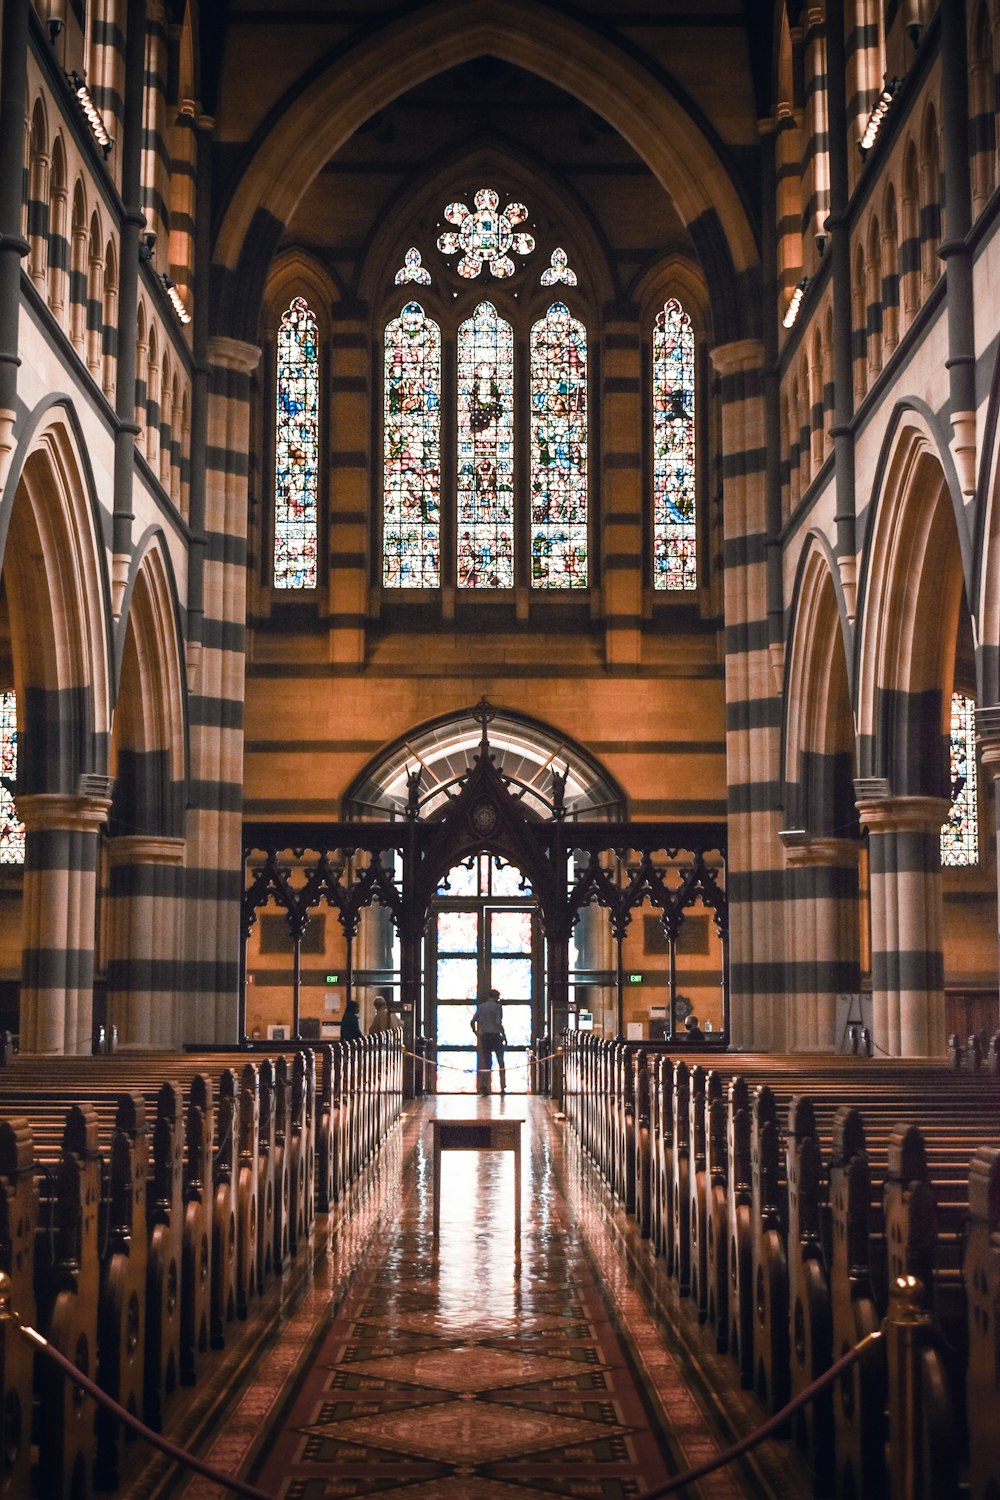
x: 846, y: 581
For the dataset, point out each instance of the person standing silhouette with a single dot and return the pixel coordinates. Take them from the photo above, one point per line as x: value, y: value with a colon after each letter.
x: 487, y: 1023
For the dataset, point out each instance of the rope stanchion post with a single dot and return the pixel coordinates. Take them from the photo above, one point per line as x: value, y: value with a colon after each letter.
x: 922, y: 1462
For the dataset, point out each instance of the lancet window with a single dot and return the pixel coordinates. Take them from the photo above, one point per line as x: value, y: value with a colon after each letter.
x: 411, y: 534
x: 11, y: 829
x: 674, y: 508
x: 485, y: 451
x: 960, y: 835
x: 296, y: 459
x: 559, y: 451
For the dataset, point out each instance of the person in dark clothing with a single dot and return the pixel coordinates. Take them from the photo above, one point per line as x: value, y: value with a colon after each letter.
x: 487, y: 1023
x: 695, y: 1035
x: 350, y: 1025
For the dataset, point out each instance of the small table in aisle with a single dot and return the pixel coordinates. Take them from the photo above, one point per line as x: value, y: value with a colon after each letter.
x: 497, y: 1134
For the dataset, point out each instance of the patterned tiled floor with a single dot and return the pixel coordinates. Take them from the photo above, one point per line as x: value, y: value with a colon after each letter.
x: 457, y: 1371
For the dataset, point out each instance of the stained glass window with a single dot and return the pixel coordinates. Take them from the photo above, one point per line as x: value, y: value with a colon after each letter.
x: 11, y: 831
x: 559, y: 451
x: 960, y: 835
x: 674, y: 545
x: 485, y: 451
x: 559, y: 269
x: 296, y: 462
x: 485, y: 235
x: 412, y: 270
x: 411, y: 496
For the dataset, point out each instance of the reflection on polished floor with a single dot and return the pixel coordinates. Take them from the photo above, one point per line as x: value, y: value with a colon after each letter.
x: 455, y: 1371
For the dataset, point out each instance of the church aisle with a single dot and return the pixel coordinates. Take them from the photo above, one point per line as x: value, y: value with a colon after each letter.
x: 464, y: 1374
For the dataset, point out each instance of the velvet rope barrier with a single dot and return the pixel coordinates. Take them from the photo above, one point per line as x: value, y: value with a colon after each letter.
x: 773, y: 1424
x: 155, y: 1439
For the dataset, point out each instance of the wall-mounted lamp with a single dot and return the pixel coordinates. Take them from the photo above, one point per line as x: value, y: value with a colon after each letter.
x: 820, y: 242
x: 146, y: 246
x: 91, y: 112
x: 793, y: 307
x: 878, y: 114
x: 915, y: 31
x: 170, y: 287
x: 55, y: 27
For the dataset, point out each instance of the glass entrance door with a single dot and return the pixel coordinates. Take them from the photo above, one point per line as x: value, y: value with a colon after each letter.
x: 482, y: 941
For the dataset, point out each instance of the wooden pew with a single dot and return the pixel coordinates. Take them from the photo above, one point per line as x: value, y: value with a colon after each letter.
x: 817, y: 1225
x: 18, y: 1230
x: 982, y: 1278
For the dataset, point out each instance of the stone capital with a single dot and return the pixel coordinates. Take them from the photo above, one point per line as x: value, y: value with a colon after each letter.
x: 57, y: 812
x: 988, y: 738
x: 145, y: 849
x: 803, y: 850
x: 234, y: 354
x: 904, y: 814
x: 740, y: 355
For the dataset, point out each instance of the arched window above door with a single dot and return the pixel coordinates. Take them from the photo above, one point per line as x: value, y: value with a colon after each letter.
x: 551, y: 775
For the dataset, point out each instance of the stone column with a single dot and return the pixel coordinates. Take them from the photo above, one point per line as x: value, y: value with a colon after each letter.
x: 216, y: 681
x: 621, y: 491
x: 144, y: 940
x: 59, y: 919
x: 823, y: 958
x: 13, y: 245
x: 904, y: 841
x: 755, y: 868
x: 343, y: 556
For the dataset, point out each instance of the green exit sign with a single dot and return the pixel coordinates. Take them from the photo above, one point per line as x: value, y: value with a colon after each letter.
x: 635, y: 979
x: 333, y: 979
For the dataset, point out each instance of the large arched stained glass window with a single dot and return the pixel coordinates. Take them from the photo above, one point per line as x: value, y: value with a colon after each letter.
x: 559, y: 451
x: 296, y: 445
x: 485, y: 531
x: 11, y: 830
x: 411, y: 494
x: 674, y: 529
x: 960, y: 835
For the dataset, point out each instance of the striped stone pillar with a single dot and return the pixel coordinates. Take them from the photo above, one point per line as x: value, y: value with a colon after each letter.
x: 345, y: 578
x: 144, y: 925
x: 156, y: 149
x: 904, y: 843
x: 213, y: 881
x: 823, y: 958
x: 788, y: 164
x: 621, y: 491
x: 755, y: 875
x: 59, y: 919
x: 816, y: 159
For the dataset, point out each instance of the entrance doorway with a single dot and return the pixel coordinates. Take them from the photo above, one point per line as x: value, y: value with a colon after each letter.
x: 484, y: 934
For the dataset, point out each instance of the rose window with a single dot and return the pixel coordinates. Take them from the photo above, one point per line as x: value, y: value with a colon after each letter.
x: 485, y: 235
